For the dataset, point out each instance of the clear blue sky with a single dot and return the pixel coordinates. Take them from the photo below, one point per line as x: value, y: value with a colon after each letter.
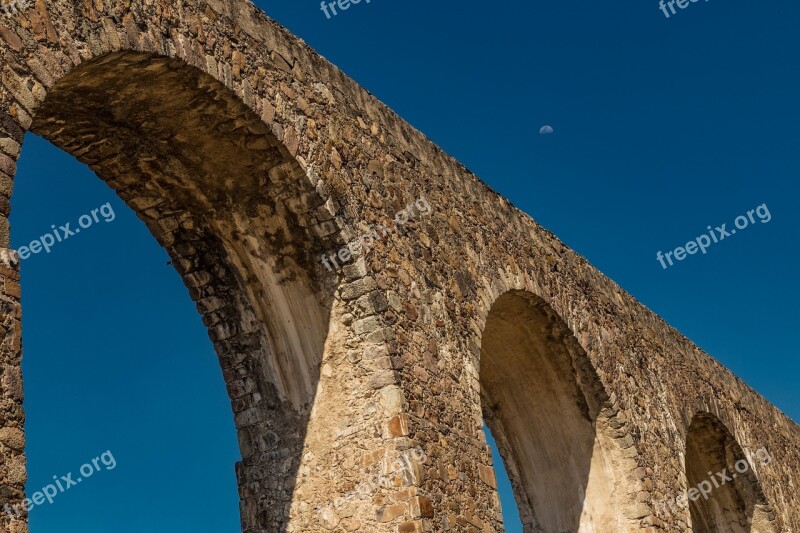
x: 662, y: 127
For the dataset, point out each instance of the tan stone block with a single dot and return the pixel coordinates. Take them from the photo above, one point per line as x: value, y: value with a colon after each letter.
x: 16, y: 469
x: 398, y: 426
x: 372, y: 457
x: 14, y: 438
x: 9, y: 146
x: 390, y: 512
x: 421, y: 507
x: 18, y: 87
x: 329, y: 518
x: 18, y: 526
x: 486, y: 474
x: 414, y: 526
x: 11, y: 38
x: 350, y: 524
x: 7, y: 165
x: 392, y: 400
x: 638, y: 511
x: 11, y: 382
x: 12, y: 288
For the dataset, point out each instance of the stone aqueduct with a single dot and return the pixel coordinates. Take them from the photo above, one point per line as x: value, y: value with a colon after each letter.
x: 249, y: 156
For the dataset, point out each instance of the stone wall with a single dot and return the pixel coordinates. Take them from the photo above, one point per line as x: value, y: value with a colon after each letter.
x: 357, y: 391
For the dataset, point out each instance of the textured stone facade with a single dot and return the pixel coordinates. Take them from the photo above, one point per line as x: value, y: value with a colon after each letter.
x: 359, y: 393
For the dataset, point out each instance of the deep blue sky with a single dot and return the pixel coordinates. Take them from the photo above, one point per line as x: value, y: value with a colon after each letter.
x: 662, y: 127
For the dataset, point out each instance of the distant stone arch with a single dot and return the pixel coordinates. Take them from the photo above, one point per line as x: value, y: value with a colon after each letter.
x: 554, y: 424
x: 724, y: 493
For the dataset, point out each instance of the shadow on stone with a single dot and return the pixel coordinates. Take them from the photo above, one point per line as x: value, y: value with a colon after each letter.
x: 735, y: 502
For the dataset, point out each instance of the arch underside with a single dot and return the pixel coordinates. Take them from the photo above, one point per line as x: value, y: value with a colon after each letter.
x: 234, y: 210
x: 213, y: 186
x: 543, y: 402
x: 730, y: 499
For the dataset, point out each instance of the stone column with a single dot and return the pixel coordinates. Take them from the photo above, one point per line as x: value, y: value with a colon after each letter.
x: 361, y: 470
x: 13, y: 517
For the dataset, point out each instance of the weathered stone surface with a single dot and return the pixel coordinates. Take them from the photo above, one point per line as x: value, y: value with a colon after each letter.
x: 14, y: 438
x: 250, y: 159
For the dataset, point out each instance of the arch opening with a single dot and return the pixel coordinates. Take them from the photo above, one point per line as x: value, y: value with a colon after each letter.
x: 106, y: 369
x: 215, y: 188
x: 239, y: 218
x: 727, y: 497
x: 554, y: 425
x: 508, y: 504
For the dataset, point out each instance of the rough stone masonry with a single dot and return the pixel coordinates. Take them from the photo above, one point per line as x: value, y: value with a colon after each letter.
x: 248, y: 156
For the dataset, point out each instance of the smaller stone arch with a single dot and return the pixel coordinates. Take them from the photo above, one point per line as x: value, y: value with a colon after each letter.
x: 724, y: 494
x: 566, y: 449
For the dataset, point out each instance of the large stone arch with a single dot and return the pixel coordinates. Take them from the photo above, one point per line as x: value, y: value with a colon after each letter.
x: 235, y: 212
x: 724, y: 494
x: 553, y: 420
x: 192, y: 113
x: 219, y: 192
x: 215, y: 180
